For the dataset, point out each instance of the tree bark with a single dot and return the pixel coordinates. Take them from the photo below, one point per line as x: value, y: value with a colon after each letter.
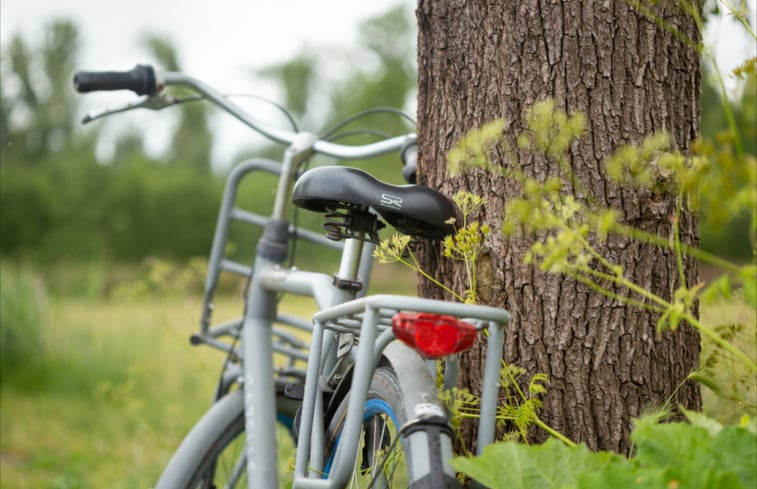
x: 485, y: 59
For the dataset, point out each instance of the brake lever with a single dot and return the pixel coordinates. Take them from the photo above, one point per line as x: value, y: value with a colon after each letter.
x: 153, y: 102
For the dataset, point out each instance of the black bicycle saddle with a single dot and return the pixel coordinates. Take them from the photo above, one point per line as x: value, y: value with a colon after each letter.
x: 411, y: 209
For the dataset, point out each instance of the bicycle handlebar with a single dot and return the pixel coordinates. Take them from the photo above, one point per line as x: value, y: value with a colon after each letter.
x: 140, y: 79
x: 145, y: 80
x: 409, y: 156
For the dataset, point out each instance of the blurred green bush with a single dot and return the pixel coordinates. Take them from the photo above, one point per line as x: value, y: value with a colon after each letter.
x: 84, y: 210
x: 23, y: 304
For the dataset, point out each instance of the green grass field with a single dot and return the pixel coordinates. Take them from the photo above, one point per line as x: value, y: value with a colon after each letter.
x: 107, y: 388
x: 119, y: 386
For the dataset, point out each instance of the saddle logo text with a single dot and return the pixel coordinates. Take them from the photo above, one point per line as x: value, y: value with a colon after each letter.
x: 388, y: 200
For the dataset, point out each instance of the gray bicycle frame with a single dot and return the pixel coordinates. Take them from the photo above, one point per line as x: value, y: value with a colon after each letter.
x: 268, y: 280
x: 341, y: 313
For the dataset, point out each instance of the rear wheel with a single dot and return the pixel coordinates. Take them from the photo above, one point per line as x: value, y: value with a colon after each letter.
x: 385, y: 457
x: 212, y: 455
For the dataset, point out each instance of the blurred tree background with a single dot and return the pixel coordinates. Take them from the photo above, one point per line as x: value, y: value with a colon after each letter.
x: 59, y: 202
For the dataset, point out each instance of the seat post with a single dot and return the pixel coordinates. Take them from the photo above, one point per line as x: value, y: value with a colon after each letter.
x: 348, y: 282
x: 347, y: 278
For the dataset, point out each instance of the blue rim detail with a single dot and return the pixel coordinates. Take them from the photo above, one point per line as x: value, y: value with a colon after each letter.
x: 286, y: 420
x: 372, y: 408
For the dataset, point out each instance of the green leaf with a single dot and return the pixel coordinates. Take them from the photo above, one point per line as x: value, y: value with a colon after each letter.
x: 551, y: 465
x: 748, y: 276
x: 536, y: 385
x: 719, y: 288
x: 706, y: 381
x: 694, y: 458
x: 625, y: 476
x: 712, y: 426
x: 669, y: 445
x: 702, y: 455
x: 606, y: 223
x: 734, y: 450
x: 630, y: 476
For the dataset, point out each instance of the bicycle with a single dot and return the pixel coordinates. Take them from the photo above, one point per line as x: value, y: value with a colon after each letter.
x: 363, y: 404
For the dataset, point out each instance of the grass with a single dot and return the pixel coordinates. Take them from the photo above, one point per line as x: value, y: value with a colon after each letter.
x: 119, y: 387
x: 105, y: 389
x: 732, y: 391
x: 100, y: 392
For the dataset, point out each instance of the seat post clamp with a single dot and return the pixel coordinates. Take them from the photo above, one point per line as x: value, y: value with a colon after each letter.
x: 345, y: 284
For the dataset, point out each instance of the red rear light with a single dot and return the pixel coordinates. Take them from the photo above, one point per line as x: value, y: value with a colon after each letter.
x: 433, y: 335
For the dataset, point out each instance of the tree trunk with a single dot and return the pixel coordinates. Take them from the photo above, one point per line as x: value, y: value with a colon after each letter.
x: 485, y: 59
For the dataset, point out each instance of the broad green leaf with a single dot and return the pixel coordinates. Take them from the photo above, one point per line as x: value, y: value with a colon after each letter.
x: 734, y: 450
x: 632, y: 476
x: 551, y: 465
x: 698, y: 419
x: 694, y: 458
x: 702, y: 455
x: 627, y: 476
x: 669, y: 445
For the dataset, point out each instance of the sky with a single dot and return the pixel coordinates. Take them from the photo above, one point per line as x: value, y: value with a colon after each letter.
x: 224, y: 41
x: 221, y: 42
x: 220, y: 38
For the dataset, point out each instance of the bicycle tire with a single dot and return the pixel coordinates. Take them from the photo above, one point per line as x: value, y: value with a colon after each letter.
x: 385, y: 410
x: 201, y: 459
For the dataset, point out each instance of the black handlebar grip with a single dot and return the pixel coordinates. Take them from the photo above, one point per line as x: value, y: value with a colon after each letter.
x: 140, y: 79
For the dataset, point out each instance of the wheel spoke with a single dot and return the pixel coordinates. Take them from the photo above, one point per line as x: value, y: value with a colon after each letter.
x: 387, y: 454
x: 381, y: 461
x: 237, y: 472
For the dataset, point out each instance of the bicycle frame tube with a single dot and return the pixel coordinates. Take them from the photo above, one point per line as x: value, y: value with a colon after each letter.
x: 216, y: 261
x: 259, y: 386
x: 257, y: 329
x: 269, y: 279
